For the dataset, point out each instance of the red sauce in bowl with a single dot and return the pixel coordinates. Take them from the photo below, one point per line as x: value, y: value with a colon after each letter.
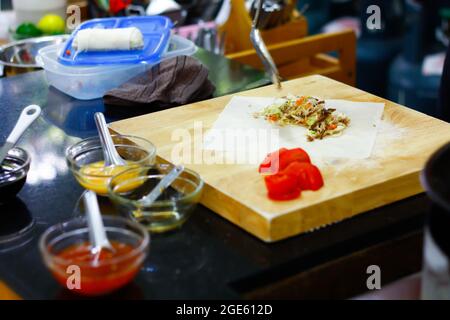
x: 98, y: 275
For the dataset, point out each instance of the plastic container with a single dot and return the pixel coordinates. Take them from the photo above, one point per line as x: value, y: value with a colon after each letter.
x: 87, y: 83
x: 34, y: 10
x: 155, y: 30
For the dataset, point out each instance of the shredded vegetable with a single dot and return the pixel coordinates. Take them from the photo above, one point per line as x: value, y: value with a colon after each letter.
x: 308, y: 112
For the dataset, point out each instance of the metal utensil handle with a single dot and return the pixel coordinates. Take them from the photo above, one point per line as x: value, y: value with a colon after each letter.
x: 261, y: 49
x: 266, y: 58
x: 258, y: 13
x: 27, y: 117
x: 97, y: 233
x: 133, y: 10
x: 110, y: 152
x: 162, y: 185
x: 222, y: 40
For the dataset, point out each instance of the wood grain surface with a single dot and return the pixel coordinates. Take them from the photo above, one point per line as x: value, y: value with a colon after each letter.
x: 6, y: 293
x: 237, y: 192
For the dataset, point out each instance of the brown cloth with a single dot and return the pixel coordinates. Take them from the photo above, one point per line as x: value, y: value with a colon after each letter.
x: 173, y: 82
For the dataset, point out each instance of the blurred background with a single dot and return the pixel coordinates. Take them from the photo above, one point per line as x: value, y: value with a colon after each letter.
x: 400, y: 59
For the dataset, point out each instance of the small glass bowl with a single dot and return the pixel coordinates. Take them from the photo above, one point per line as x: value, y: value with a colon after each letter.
x: 108, y: 274
x: 170, y: 210
x: 13, y: 173
x: 135, y: 150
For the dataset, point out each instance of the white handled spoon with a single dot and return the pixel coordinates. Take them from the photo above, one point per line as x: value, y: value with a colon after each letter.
x: 97, y: 233
x: 111, y: 155
x: 162, y: 185
x: 27, y: 117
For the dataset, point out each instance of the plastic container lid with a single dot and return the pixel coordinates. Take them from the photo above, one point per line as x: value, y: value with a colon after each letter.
x: 155, y: 29
x: 47, y: 58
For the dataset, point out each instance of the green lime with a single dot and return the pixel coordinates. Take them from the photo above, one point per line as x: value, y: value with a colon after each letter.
x: 28, y: 30
x: 52, y: 24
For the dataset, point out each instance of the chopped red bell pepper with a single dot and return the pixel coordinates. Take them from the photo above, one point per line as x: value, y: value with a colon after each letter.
x: 282, y: 187
x: 293, y: 155
x: 270, y: 165
x: 308, y: 175
x: 278, y: 161
x: 290, y: 172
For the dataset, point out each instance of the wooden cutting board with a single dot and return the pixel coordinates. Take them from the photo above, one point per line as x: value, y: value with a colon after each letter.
x: 237, y: 192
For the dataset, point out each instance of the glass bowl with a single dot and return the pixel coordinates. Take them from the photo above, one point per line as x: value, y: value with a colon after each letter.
x: 13, y: 173
x: 86, y: 160
x: 65, y: 250
x: 170, y: 210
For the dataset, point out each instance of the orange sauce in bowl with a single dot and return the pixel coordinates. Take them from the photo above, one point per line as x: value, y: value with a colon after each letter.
x: 97, y: 276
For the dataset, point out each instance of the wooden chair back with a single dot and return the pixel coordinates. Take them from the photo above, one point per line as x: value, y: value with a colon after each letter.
x: 332, y: 55
x: 237, y: 29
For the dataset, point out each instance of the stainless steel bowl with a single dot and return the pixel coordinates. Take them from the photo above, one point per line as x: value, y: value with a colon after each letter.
x: 19, y: 56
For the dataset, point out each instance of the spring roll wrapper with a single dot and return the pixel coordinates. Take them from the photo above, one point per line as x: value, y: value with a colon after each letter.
x: 108, y: 39
x: 356, y: 142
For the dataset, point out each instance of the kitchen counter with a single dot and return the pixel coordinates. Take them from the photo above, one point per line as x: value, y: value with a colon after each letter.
x: 209, y: 257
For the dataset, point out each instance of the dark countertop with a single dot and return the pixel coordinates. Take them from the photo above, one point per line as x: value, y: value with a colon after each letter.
x: 408, y: 288
x: 209, y: 257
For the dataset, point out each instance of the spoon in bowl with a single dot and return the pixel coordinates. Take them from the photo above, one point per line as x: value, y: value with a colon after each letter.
x: 27, y: 117
x: 112, y: 157
x: 162, y: 185
x: 97, y: 233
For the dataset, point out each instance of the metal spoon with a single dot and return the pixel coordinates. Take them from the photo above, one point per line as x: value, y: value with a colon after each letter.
x: 221, y: 46
x: 162, y: 185
x: 261, y: 49
x: 207, y: 40
x: 111, y: 155
x: 97, y: 234
x: 27, y: 117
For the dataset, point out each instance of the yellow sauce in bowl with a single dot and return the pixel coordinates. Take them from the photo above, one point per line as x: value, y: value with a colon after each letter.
x: 96, y: 176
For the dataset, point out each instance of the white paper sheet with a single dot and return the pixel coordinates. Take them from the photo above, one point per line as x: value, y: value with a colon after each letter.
x: 356, y: 142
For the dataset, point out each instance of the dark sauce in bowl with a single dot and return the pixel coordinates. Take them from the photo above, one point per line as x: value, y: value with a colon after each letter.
x: 13, y: 173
